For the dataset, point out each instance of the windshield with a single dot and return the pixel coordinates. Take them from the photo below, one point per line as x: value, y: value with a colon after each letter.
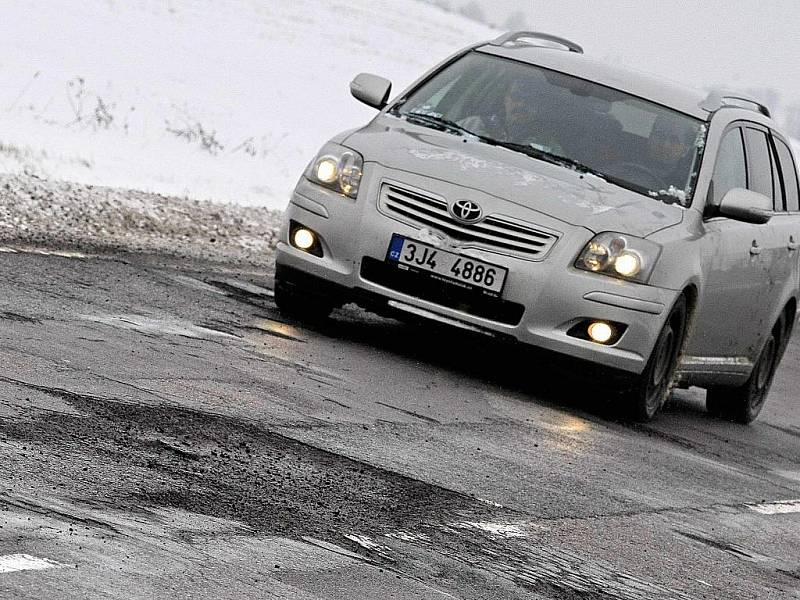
x: 629, y: 141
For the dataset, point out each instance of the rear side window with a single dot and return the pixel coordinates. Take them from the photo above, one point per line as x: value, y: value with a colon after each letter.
x: 789, y: 174
x: 780, y: 204
x: 758, y: 163
x: 730, y: 170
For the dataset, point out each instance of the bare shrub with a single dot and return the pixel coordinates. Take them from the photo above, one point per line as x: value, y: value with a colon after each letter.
x: 76, y: 95
x: 248, y: 146
x: 197, y: 133
x: 102, y: 114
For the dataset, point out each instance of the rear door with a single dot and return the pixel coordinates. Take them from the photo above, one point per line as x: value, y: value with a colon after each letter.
x: 787, y: 226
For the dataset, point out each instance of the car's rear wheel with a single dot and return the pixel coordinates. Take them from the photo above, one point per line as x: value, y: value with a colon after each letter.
x: 650, y: 390
x: 744, y: 403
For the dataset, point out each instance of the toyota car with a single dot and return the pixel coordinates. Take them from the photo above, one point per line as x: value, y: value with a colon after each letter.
x: 527, y: 191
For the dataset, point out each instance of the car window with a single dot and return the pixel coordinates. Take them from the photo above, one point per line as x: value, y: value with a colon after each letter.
x: 631, y: 142
x: 758, y: 163
x: 789, y: 173
x: 730, y: 170
x: 446, y: 88
x: 780, y: 198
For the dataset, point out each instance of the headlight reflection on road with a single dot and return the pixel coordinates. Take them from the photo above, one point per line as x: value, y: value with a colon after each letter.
x: 277, y: 329
x: 575, y: 425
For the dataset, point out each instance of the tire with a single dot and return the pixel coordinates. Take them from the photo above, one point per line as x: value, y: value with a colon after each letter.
x: 717, y: 399
x: 651, y: 389
x: 743, y: 403
x: 305, y: 307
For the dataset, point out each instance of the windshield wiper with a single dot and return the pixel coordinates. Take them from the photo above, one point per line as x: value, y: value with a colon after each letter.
x: 556, y: 159
x: 545, y: 155
x: 437, y: 120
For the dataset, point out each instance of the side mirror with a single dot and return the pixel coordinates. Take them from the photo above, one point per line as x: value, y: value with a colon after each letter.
x: 371, y: 90
x: 746, y: 205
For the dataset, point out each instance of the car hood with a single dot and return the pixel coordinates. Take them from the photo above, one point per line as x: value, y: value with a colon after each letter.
x: 558, y: 192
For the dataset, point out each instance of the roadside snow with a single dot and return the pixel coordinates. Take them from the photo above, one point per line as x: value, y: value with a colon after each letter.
x: 37, y: 212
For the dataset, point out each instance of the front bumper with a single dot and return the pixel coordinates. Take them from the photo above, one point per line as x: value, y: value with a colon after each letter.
x: 541, y: 302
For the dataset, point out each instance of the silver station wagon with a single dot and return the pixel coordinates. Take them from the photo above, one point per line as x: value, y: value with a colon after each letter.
x: 524, y: 190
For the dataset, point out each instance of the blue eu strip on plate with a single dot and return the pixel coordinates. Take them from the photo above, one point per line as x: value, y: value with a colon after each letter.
x: 396, y: 247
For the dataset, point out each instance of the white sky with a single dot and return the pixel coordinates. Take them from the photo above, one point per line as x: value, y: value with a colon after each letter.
x: 700, y: 42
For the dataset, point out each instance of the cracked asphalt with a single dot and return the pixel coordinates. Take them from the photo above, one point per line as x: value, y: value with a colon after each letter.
x: 166, y: 433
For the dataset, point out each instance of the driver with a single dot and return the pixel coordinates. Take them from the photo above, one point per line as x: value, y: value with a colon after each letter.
x: 521, y: 120
x: 669, y: 150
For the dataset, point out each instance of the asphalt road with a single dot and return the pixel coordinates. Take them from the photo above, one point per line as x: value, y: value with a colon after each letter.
x: 166, y: 433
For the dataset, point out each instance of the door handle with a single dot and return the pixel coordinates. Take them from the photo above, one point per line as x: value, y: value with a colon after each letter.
x: 755, y: 249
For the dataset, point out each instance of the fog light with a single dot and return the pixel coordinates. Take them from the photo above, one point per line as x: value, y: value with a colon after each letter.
x: 600, y: 332
x: 303, y: 238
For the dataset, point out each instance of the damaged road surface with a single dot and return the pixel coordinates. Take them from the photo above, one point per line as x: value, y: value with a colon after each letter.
x: 166, y: 432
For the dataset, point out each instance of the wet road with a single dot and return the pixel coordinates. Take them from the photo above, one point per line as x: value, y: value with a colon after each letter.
x: 166, y: 433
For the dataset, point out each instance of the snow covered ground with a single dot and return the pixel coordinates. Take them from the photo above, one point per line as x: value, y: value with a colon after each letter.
x: 224, y: 99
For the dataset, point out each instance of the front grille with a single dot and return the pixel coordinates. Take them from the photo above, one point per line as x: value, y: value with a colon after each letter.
x: 422, y: 286
x: 494, y: 231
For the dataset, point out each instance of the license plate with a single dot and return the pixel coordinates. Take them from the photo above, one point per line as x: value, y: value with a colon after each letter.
x: 452, y: 268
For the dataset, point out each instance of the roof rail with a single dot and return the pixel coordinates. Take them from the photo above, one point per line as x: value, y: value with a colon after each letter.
x: 717, y: 99
x: 514, y: 36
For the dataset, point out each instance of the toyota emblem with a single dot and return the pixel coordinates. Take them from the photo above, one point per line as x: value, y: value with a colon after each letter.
x: 466, y: 210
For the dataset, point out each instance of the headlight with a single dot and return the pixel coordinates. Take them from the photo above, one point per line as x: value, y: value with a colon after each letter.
x: 619, y: 255
x: 337, y: 168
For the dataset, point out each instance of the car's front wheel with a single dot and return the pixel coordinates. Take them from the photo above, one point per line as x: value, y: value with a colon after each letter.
x: 650, y: 390
x: 294, y: 302
x: 743, y: 403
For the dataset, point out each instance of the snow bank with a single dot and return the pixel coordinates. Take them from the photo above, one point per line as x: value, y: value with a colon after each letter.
x: 225, y: 100
x: 37, y: 212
